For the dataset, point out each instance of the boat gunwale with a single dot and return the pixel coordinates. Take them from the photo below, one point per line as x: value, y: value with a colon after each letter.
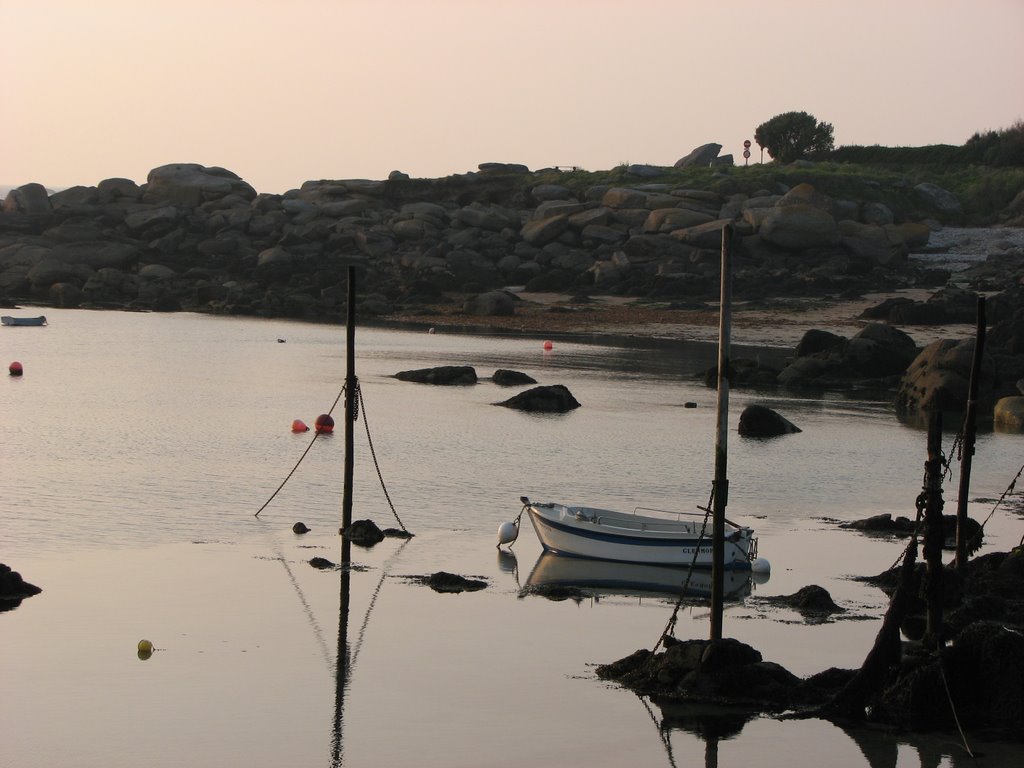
x: 615, y: 520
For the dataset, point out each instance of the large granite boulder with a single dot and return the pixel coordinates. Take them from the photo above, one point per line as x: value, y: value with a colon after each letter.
x: 624, y: 197
x: 871, y: 242
x: 762, y: 421
x: 504, y: 377
x: 798, y: 227
x: 1008, y: 414
x: 491, y: 304
x: 555, y: 398
x: 32, y: 199
x: 942, y: 200
x: 669, y: 219
x: 13, y: 588
x: 703, y: 155
x: 879, y: 350
x: 539, y: 232
x: 938, y: 379
x: 816, y: 341
x: 192, y: 185
x: 492, y: 218
x: 98, y: 254
x: 443, y: 375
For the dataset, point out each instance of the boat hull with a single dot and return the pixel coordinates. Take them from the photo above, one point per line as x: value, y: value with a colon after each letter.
x: 605, y: 535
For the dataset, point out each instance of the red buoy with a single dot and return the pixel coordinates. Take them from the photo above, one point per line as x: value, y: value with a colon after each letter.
x: 15, y: 369
x: 548, y: 346
x: 299, y: 426
x: 324, y: 424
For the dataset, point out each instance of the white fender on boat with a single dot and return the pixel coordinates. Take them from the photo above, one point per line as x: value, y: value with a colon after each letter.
x: 507, y: 533
x: 761, y: 570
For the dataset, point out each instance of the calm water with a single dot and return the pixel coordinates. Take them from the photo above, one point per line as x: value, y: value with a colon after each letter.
x: 139, y: 447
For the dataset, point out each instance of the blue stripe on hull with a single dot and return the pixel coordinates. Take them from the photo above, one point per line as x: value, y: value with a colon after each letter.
x: 617, y: 538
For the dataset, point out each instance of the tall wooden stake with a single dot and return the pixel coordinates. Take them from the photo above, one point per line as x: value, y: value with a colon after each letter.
x: 350, y: 399
x: 721, y: 485
x: 341, y: 671
x: 934, y: 536
x: 969, y: 436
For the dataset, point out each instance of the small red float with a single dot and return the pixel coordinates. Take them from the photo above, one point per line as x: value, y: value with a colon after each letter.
x: 548, y: 346
x: 324, y: 424
x: 15, y: 369
x: 299, y: 426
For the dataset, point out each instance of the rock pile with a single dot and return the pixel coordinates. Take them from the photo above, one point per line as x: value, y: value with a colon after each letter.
x: 202, y: 239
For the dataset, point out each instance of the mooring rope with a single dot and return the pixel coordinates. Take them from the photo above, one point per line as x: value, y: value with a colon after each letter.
x: 289, y: 475
x: 949, y: 698
x: 373, y: 453
x: 671, y: 626
x: 357, y: 404
x: 309, y: 447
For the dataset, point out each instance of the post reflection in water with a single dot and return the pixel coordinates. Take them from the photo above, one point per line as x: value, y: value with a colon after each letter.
x: 708, y: 722
x: 342, y: 664
x: 347, y: 654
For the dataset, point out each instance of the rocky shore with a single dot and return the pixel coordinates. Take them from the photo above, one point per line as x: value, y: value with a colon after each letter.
x: 632, y: 253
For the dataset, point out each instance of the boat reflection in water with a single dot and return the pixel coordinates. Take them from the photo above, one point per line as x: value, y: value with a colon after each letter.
x: 554, y: 572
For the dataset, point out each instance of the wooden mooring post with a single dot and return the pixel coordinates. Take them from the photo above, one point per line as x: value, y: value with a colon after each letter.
x: 350, y: 405
x: 721, y: 483
x: 969, y: 437
x: 934, y: 536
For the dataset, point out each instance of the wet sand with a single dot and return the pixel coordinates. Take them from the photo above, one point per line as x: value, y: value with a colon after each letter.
x: 777, y: 323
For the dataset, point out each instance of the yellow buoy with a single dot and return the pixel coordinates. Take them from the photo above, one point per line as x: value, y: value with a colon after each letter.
x: 145, y: 646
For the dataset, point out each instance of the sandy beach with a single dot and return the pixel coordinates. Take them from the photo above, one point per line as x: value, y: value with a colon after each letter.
x: 775, y: 323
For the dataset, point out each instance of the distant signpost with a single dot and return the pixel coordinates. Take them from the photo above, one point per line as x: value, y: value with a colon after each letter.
x: 746, y: 151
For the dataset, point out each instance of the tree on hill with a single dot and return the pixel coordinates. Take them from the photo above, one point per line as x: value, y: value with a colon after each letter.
x: 794, y: 135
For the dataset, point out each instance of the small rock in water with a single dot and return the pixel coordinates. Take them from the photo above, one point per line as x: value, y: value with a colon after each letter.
x: 506, y: 378
x: 364, y: 532
x: 811, y: 599
x: 555, y: 398
x: 761, y: 421
x: 300, y: 528
x: 451, y: 582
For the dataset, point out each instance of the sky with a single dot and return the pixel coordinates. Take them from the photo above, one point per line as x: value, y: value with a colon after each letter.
x: 284, y: 91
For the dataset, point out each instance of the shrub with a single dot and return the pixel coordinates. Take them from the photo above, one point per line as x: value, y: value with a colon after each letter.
x: 794, y: 135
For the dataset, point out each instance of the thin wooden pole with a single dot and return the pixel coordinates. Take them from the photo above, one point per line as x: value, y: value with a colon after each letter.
x: 341, y: 671
x: 969, y: 437
x: 350, y: 399
x: 934, y: 536
x: 721, y: 485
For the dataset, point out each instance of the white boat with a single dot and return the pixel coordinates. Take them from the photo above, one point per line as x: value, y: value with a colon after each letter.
x: 657, y: 537
x: 631, y: 579
x: 10, y: 320
x: 643, y: 536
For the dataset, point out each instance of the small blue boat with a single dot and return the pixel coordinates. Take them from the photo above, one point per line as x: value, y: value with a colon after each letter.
x: 9, y: 320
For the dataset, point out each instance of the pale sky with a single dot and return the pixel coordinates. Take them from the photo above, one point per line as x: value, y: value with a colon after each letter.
x: 281, y: 92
